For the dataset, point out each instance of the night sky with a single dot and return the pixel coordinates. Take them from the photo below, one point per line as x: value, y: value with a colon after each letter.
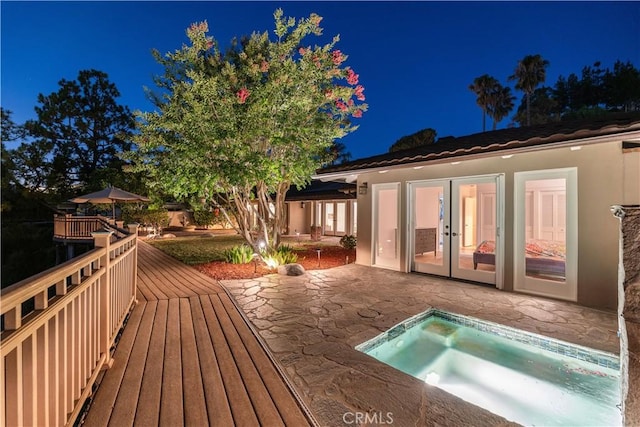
x: 415, y: 59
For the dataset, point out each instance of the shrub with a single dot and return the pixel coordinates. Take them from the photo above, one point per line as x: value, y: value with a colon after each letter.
x: 241, y: 254
x: 348, y: 242
x: 202, y: 218
x: 150, y: 217
x: 285, y: 255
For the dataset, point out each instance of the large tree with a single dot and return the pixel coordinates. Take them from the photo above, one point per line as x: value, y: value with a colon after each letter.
x: 500, y: 104
x: 238, y: 128
x: 529, y: 74
x: 76, y: 138
x: 418, y: 139
x: 544, y: 108
x: 483, y: 87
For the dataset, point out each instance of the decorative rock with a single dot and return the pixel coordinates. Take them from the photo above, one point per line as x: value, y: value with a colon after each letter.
x: 168, y: 236
x: 291, y: 270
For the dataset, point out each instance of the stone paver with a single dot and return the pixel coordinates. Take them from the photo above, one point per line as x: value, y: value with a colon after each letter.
x: 312, y: 323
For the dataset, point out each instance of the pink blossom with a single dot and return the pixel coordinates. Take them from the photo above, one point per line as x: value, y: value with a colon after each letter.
x: 352, y: 77
x: 337, y: 57
x: 328, y: 93
x: 357, y: 114
x: 302, y: 51
x: 341, y: 106
x: 242, y: 95
x: 264, y: 67
x: 358, y: 92
x: 350, y: 103
x: 209, y: 44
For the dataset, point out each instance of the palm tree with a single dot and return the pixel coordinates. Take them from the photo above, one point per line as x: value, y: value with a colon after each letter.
x: 500, y: 104
x: 483, y: 86
x: 529, y: 73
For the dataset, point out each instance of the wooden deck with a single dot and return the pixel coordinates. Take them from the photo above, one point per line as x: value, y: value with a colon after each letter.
x: 188, y: 357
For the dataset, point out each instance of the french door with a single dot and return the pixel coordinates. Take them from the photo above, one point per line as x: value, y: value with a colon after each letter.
x: 455, y: 228
x: 546, y: 233
x: 335, y: 218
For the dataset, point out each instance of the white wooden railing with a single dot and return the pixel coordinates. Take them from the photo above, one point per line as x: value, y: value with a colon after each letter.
x: 52, y: 353
x: 69, y: 228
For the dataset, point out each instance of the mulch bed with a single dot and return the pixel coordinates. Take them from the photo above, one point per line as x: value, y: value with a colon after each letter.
x: 330, y: 256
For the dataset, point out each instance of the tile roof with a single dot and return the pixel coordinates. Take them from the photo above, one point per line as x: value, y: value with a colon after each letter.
x: 498, y: 140
x: 318, y: 190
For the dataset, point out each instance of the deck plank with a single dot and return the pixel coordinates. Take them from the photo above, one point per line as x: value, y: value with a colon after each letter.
x: 284, y: 401
x: 195, y: 413
x: 148, y: 411
x: 171, y: 405
x: 219, y: 411
x: 124, y: 409
x: 260, y: 398
x: 106, y: 395
x: 188, y: 357
x: 236, y: 393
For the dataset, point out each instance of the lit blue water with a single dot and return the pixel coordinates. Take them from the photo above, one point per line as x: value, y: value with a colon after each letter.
x: 520, y: 382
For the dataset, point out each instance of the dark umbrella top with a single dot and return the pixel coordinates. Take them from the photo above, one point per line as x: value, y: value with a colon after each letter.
x: 110, y: 195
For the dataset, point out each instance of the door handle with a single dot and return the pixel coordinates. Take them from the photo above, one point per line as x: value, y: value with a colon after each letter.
x: 446, y: 233
x: 454, y: 234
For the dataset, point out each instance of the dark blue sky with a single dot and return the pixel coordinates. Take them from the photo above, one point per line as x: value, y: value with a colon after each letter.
x: 415, y: 59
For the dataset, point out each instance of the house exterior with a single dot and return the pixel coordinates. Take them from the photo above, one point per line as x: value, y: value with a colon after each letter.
x: 331, y: 206
x: 522, y: 209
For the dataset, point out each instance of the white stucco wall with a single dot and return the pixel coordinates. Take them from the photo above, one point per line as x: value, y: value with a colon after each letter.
x: 601, y: 183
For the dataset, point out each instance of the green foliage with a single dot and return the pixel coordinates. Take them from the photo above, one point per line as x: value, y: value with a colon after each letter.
x: 348, y: 241
x: 422, y: 137
x: 494, y: 99
x: 72, y: 147
x: 203, y: 217
x: 285, y: 255
x: 530, y: 72
x: 27, y: 249
x: 145, y: 216
x: 197, y: 250
x: 239, y: 126
x: 240, y: 254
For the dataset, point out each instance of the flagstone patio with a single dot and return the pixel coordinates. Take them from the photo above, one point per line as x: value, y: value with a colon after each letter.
x: 312, y: 323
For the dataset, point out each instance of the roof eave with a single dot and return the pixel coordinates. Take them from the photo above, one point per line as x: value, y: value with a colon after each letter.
x: 351, y: 175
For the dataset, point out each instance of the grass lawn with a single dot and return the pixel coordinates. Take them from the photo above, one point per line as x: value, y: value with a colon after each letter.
x: 199, y: 250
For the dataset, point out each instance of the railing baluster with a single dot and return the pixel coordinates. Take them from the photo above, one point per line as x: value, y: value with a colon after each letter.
x: 53, y: 373
x: 50, y: 358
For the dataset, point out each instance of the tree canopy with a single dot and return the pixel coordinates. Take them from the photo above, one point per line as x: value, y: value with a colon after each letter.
x: 74, y: 143
x: 530, y: 72
x: 494, y: 99
x: 238, y: 127
x: 422, y: 137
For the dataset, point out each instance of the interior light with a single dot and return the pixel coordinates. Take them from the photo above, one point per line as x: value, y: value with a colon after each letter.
x: 507, y: 156
x: 385, y: 171
x: 575, y: 148
x: 432, y: 378
x: 418, y: 167
x: 455, y: 163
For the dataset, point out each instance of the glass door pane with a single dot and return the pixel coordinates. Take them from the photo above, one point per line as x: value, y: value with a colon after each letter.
x: 328, y: 219
x: 474, y: 229
x: 341, y: 217
x: 545, y: 250
x: 546, y: 233
x: 355, y: 218
x: 386, y: 226
x: 430, y: 219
